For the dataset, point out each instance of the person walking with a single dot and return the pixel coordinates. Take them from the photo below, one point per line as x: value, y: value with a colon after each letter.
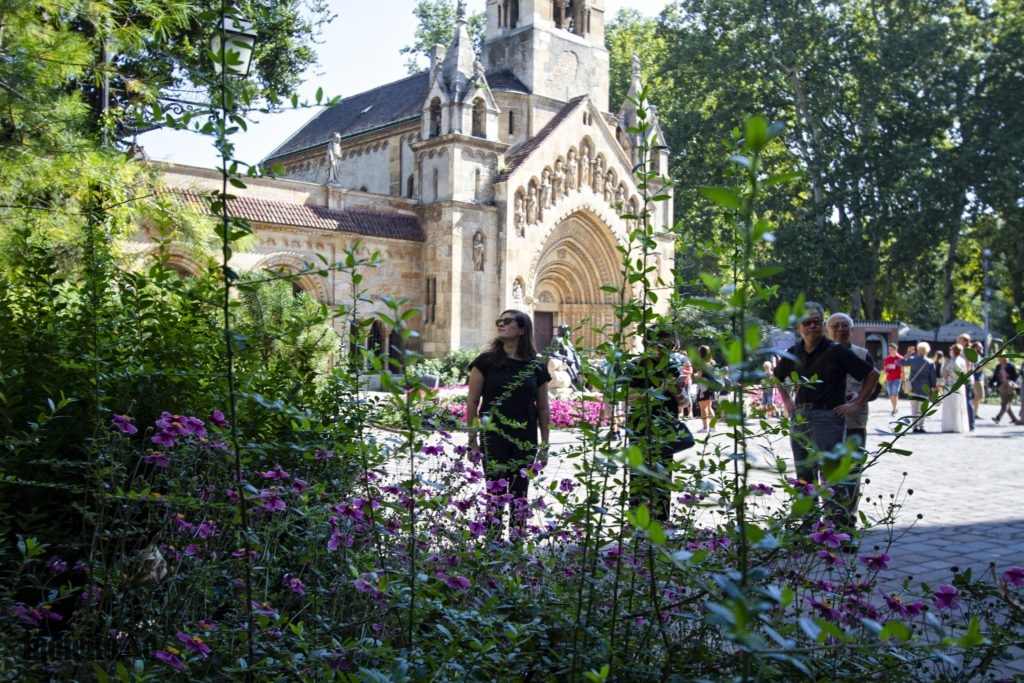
x: 955, y: 404
x: 819, y: 408
x: 508, y: 402
x: 893, y: 376
x: 1005, y: 381
x: 839, y: 328
x: 978, y: 378
x: 964, y: 340
x: 922, y: 376
x: 705, y: 378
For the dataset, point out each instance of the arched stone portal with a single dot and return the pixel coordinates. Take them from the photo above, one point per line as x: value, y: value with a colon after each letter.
x: 577, y: 259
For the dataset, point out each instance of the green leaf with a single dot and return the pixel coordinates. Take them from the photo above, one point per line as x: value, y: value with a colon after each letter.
x: 723, y: 197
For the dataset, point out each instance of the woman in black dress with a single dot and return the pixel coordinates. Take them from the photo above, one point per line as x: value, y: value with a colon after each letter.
x: 508, y: 392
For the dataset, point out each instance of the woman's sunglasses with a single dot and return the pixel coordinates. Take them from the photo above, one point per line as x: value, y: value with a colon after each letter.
x: 505, y: 321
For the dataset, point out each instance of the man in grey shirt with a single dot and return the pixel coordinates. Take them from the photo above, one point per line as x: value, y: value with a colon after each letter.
x: 922, y: 382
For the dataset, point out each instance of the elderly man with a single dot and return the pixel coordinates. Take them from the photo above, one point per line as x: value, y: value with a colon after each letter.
x: 817, y: 368
x: 922, y: 377
x: 839, y: 327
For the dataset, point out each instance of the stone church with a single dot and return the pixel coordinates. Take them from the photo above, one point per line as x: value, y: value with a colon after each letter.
x: 490, y: 181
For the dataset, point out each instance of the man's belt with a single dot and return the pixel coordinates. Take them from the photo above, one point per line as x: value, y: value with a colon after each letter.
x: 812, y: 406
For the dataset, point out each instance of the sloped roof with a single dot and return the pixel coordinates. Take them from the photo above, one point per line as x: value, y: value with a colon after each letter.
x: 520, y: 153
x: 385, y: 105
x: 358, y: 221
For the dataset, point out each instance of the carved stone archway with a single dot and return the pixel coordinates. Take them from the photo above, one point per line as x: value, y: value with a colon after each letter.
x: 577, y: 259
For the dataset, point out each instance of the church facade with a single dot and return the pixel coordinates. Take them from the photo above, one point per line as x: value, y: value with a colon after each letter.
x: 490, y: 181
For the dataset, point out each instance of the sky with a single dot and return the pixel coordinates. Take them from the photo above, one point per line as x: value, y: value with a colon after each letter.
x: 359, y: 51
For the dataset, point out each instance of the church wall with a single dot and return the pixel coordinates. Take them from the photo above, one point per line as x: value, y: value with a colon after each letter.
x: 436, y: 175
x: 518, y: 106
x: 367, y: 168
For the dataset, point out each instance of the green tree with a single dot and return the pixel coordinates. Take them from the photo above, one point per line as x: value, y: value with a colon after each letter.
x: 437, y: 27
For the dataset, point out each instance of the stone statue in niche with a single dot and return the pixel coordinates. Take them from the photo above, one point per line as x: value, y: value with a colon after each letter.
x: 518, y: 216
x: 584, y: 166
x: 557, y: 182
x: 609, y: 182
x: 334, y: 159
x: 517, y: 290
x: 531, y: 205
x: 478, y: 252
x: 545, y: 189
x: 620, y: 195
x: 571, y: 170
x: 599, y: 175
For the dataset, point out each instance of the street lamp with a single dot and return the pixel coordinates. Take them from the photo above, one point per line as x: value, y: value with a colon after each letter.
x: 232, y: 46
x: 986, y: 294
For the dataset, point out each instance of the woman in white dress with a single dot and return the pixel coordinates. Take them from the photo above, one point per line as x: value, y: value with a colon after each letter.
x: 954, y: 403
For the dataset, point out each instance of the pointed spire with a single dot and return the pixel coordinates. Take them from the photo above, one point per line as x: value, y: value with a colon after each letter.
x: 458, y: 71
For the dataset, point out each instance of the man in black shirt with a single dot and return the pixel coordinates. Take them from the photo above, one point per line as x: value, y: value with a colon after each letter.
x: 820, y: 407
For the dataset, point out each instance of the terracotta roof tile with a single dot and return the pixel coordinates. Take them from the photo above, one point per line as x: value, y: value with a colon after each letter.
x: 358, y: 221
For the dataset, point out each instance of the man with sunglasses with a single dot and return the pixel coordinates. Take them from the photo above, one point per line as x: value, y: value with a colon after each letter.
x: 812, y: 383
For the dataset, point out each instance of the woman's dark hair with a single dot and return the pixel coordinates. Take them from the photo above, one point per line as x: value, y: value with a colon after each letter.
x: 526, y: 349
x: 704, y: 352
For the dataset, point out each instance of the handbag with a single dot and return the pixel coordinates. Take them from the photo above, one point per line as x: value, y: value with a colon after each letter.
x: 683, y: 438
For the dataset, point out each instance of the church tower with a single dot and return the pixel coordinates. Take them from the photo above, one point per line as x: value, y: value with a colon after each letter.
x: 554, y: 47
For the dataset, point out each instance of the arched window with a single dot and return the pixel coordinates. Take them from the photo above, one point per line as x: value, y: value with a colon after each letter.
x: 375, y: 340
x: 511, y: 122
x: 513, y: 13
x: 435, y: 117
x: 395, y: 351
x: 410, y: 185
x: 437, y: 194
x: 476, y: 185
x: 479, y: 118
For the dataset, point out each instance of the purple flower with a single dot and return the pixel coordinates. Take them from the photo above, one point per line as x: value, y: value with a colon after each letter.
x: 33, y: 617
x: 323, y: 455
x: 271, y: 501
x: 566, y: 485
x: 169, y: 656
x: 905, y: 609
x: 477, y: 529
x: 803, y: 486
x: 207, y: 529
x: 56, y: 565
x: 172, y: 424
x: 299, y: 485
x: 157, y: 459
x: 830, y: 558
x: 827, y: 535
x: 206, y: 625
x: 432, y: 450
x: 294, y: 584
x: 876, y: 562
x: 217, y: 419
x: 1014, y: 576
x: 459, y: 583
x: 164, y: 438
x: 123, y: 423
x: 497, y: 486
x: 193, y: 426
x: 92, y: 594
x: 946, y: 597
x: 194, y: 644
x: 762, y: 489
x: 276, y: 473
x: 825, y: 608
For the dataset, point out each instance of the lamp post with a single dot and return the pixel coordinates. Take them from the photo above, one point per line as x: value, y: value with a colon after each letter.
x: 986, y: 294
x: 232, y: 46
